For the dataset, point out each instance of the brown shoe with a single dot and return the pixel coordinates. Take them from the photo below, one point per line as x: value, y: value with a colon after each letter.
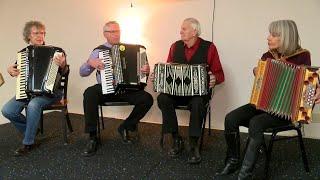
x: 24, y: 150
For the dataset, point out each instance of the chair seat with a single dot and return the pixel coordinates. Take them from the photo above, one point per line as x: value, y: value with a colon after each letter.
x: 58, y: 105
x: 281, y: 128
x: 115, y: 103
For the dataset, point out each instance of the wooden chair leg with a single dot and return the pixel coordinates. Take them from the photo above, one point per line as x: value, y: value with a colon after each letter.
x: 303, y: 151
x: 64, y: 128
x: 66, y: 113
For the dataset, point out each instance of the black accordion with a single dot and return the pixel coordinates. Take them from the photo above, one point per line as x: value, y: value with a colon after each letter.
x: 181, y: 79
x: 38, y: 73
x: 122, y: 68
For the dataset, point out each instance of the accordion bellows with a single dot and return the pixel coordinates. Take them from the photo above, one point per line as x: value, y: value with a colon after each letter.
x: 38, y: 73
x: 122, y: 68
x: 181, y: 79
x: 285, y: 90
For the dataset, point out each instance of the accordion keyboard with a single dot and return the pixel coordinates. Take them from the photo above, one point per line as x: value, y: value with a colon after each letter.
x: 22, y: 64
x: 107, y: 72
x: 53, y: 70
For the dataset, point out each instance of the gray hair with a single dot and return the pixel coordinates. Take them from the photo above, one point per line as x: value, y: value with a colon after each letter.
x: 287, y: 31
x: 195, y: 24
x: 27, y: 29
x: 105, y: 27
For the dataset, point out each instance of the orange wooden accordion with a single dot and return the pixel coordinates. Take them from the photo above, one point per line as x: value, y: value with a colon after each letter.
x: 285, y: 90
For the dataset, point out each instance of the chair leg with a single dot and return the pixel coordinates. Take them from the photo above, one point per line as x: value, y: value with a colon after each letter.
x: 64, y: 128
x: 268, y: 153
x: 202, y: 131
x: 41, y: 123
x: 66, y: 113
x: 161, y: 140
x: 303, y: 151
x: 101, y: 113
x: 98, y: 125
x: 209, y: 129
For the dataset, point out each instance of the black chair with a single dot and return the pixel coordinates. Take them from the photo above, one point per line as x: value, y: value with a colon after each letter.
x: 112, y: 103
x: 61, y: 105
x: 274, y: 138
x: 208, y: 113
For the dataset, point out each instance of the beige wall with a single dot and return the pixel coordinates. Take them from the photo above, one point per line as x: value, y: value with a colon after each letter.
x: 240, y: 30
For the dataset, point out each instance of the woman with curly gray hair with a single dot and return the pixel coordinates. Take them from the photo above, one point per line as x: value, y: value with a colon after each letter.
x: 33, y: 34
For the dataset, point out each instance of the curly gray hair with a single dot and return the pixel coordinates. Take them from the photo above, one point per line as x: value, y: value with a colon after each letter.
x: 27, y: 29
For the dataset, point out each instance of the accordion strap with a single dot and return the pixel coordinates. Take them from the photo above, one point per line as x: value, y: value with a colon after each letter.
x: 284, y: 58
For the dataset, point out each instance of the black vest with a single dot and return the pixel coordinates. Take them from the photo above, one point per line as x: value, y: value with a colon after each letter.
x: 199, y: 57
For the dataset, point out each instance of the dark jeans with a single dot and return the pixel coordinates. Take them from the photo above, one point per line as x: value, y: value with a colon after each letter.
x: 197, y: 106
x: 256, y: 120
x: 93, y: 97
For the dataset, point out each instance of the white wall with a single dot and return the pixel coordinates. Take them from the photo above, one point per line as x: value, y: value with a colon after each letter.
x: 240, y: 30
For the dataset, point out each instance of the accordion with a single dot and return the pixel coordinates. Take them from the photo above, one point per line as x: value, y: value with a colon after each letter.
x: 285, y: 90
x: 181, y: 79
x: 38, y: 73
x: 122, y: 68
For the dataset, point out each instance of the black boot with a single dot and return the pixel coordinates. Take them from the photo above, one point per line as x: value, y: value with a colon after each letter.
x: 232, y: 161
x: 177, y: 146
x: 91, y: 147
x: 194, y: 157
x: 124, y: 134
x: 249, y: 159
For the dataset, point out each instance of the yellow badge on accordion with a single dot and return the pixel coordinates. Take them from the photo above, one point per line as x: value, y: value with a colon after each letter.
x: 285, y: 90
x: 122, y: 48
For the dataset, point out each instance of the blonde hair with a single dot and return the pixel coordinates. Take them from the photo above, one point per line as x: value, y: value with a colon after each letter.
x: 287, y: 31
x: 27, y: 29
x: 105, y: 27
x: 195, y: 24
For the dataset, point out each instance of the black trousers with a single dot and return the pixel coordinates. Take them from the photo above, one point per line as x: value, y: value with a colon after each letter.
x: 256, y: 120
x: 196, y: 105
x: 93, y: 97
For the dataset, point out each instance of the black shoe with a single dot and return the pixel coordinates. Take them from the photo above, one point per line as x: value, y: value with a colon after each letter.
x: 194, y: 154
x: 24, y: 150
x: 91, y: 148
x: 232, y: 165
x: 177, y: 147
x: 124, y: 135
x: 134, y: 135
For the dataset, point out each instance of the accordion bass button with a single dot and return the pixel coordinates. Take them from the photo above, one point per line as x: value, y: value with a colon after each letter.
x: 304, y: 114
x: 314, y: 75
x: 301, y: 109
x: 307, y: 118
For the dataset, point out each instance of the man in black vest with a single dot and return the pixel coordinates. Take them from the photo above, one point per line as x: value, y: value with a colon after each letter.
x: 191, y: 49
x: 93, y: 96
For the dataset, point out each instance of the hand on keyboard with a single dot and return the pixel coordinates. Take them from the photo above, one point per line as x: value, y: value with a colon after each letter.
x: 13, y: 71
x: 96, y: 63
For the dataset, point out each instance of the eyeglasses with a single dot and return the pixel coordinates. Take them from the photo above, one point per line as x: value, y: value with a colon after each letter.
x: 38, y: 33
x: 115, y: 31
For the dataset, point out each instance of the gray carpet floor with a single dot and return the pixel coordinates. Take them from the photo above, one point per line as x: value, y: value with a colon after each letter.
x: 142, y: 160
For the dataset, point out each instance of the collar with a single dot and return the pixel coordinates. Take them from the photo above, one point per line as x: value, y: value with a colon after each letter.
x: 196, y: 44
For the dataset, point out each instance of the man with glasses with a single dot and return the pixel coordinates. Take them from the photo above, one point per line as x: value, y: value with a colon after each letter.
x: 93, y: 96
x: 33, y: 34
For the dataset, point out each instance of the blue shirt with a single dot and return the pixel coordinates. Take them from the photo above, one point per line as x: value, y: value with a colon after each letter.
x: 86, y: 69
